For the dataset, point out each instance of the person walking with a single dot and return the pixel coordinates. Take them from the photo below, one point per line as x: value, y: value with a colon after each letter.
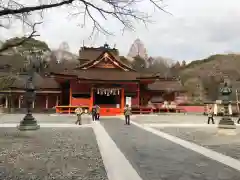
x: 127, y: 114
x: 210, y: 116
x: 79, y: 112
x: 94, y: 109
x: 97, y: 112
x: 238, y: 121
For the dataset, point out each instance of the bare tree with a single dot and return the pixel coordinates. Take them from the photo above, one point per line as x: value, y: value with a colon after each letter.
x: 125, y: 11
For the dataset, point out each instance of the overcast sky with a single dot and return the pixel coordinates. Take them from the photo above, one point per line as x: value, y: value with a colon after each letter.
x: 197, y: 29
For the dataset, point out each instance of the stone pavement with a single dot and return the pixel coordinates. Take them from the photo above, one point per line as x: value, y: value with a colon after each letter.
x: 173, y: 119
x: 149, y: 150
x: 209, y: 138
x: 156, y: 158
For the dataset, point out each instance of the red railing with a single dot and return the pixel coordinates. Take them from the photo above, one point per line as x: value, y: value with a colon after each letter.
x: 69, y: 109
x: 135, y: 110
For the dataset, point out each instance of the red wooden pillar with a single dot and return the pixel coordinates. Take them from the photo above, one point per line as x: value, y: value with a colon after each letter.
x: 57, y: 100
x: 122, y: 100
x: 46, y: 102
x: 175, y: 95
x: 91, y: 100
x: 138, y: 95
x: 70, y: 95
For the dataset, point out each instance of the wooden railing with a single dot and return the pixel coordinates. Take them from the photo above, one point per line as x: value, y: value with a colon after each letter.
x: 149, y: 110
x: 142, y: 110
x: 69, y: 109
x: 135, y: 110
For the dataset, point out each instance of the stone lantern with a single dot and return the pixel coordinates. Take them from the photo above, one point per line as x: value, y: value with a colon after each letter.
x: 29, y: 122
x: 226, y: 121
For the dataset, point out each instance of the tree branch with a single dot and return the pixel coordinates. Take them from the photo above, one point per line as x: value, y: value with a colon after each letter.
x: 22, y: 41
x: 7, y: 11
x: 122, y: 10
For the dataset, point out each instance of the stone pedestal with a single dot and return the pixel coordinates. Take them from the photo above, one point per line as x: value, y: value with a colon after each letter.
x: 28, y: 123
x: 227, y: 126
x: 226, y: 123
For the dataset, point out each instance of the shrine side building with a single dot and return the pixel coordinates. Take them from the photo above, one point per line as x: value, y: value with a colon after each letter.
x: 103, y: 79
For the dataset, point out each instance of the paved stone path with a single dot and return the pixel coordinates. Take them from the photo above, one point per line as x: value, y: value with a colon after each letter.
x: 173, y: 119
x: 209, y: 138
x: 156, y: 158
x: 117, y: 166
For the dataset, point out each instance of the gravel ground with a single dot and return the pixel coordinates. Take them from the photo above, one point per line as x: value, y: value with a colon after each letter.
x: 155, y: 158
x: 45, y: 118
x: 59, y: 154
x: 209, y: 137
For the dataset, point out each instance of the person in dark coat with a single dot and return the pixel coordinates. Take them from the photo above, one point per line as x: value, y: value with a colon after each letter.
x: 210, y: 116
x: 97, y: 112
x: 127, y: 114
x: 94, y: 113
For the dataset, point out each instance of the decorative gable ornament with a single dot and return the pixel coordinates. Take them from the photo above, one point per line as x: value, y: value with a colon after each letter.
x: 114, y: 62
x: 106, y: 60
x: 105, y: 55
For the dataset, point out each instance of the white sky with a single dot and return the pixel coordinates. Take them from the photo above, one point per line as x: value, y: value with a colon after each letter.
x: 197, y: 29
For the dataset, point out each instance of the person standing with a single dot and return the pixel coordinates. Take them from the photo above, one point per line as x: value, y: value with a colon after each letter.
x: 94, y: 112
x: 79, y: 112
x: 97, y: 112
x: 210, y: 116
x: 127, y: 114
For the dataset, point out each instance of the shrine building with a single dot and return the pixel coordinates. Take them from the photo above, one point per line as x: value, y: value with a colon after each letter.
x: 100, y: 77
x: 103, y: 79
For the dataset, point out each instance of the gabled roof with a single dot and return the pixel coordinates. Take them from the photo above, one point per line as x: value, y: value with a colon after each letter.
x: 100, y: 74
x: 92, y: 53
x: 40, y: 82
x: 11, y: 62
x: 106, y: 57
x: 166, y: 85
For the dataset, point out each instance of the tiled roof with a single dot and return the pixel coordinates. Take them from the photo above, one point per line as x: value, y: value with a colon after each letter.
x: 6, y: 79
x: 114, y: 56
x: 167, y: 85
x: 157, y: 99
x: 11, y: 62
x: 102, y: 74
x: 111, y: 74
x: 39, y: 82
x: 90, y: 53
x: 53, y: 66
